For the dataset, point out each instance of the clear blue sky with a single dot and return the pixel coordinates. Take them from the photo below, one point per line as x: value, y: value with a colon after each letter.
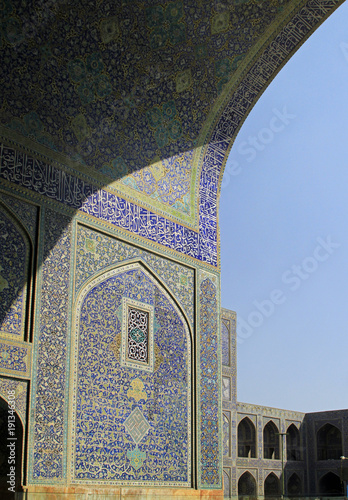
x: 284, y: 231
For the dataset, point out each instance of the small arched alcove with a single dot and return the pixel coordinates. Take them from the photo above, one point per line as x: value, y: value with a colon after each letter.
x: 271, y: 441
x: 294, y: 486
x: 272, y: 486
x: 329, y: 443
x: 246, y: 438
x: 247, y: 485
x: 330, y: 485
x: 293, y: 443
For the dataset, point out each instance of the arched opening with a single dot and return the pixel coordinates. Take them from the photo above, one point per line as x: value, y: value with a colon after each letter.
x: 294, y: 486
x: 293, y: 443
x: 329, y: 443
x: 247, y: 485
x: 246, y: 438
x: 272, y: 486
x: 10, y: 452
x: 271, y: 441
x: 330, y: 485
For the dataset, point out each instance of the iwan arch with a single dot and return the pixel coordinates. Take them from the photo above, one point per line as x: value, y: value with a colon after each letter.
x: 116, y: 121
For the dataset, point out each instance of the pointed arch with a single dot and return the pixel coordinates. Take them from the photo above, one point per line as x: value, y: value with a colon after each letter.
x: 272, y: 486
x: 330, y: 485
x: 113, y: 390
x: 293, y: 443
x: 148, y: 270
x: 329, y: 442
x: 246, y: 438
x: 294, y: 486
x: 271, y: 441
x: 247, y: 485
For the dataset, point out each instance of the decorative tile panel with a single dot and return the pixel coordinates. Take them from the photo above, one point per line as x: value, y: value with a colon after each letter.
x: 25, y: 212
x: 14, y: 273
x: 49, y: 396
x: 137, y: 425
x: 15, y: 358
x: 20, y: 388
x: 116, y: 405
x: 225, y: 341
x: 210, y: 432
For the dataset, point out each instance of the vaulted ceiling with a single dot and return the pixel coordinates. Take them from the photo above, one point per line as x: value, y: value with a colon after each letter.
x: 130, y: 92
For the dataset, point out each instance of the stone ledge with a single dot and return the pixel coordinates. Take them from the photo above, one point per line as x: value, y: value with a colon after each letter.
x: 36, y: 492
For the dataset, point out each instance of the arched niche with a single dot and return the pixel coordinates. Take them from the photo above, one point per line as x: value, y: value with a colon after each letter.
x: 132, y: 372
x: 271, y: 441
x: 272, y: 486
x: 247, y: 485
x: 294, y: 486
x: 15, y: 263
x: 293, y: 443
x: 330, y: 485
x: 329, y: 443
x: 246, y: 438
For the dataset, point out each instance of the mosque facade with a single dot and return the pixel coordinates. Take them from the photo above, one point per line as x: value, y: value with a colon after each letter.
x: 270, y: 452
x: 116, y: 119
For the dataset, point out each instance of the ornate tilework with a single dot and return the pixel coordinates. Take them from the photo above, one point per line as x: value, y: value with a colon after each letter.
x: 137, y: 425
x: 129, y: 85
x: 14, y: 258
x: 225, y: 342
x: 96, y: 251
x: 210, y: 452
x: 26, y: 213
x: 15, y: 359
x: 226, y: 417
x: 127, y: 104
x: 125, y: 126
x: 20, y: 387
x: 153, y: 408
x: 51, y: 336
x: 238, y: 102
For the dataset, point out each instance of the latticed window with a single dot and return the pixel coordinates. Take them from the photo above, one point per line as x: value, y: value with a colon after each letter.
x: 138, y: 335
